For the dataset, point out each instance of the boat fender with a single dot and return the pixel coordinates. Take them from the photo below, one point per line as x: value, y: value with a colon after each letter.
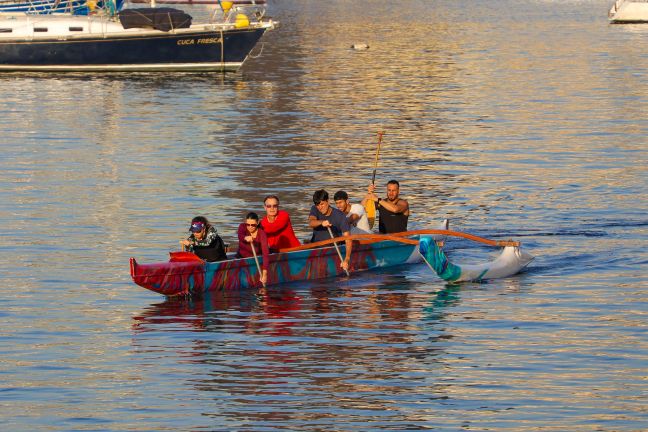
x: 226, y: 5
x: 241, y: 21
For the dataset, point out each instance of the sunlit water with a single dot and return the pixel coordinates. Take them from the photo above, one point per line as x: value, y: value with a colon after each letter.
x: 515, y: 119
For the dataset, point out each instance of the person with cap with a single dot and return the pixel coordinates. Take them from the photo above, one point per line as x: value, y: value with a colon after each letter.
x: 204, y: 240
x: 327, y: 221
x: 355, y: 213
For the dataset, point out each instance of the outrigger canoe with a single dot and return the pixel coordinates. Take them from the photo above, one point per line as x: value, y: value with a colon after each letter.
x: 321, y: 260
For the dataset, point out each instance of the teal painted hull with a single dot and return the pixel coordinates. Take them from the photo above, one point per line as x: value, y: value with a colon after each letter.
x: 197, y: 277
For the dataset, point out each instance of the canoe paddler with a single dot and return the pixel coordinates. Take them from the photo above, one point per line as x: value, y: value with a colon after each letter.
x: 322, y: 217
x: 355, y: 213
x: 277, y: 225
x: 393, y: 211
x: 250, y: 236
x: 204, y: 240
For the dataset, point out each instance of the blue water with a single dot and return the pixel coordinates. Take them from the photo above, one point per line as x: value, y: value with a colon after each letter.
x: 524, y: 120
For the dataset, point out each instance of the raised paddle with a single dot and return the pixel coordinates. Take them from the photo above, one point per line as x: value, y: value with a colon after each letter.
x: 337, y: 249
x: 257, y: 262
x: 370, y: 206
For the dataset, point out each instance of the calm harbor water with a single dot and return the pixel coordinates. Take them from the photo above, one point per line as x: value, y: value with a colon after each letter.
x: 514, y: 119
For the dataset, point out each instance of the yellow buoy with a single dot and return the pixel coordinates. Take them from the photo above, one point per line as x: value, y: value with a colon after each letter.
x: 226, y: 5
x: 241, y: 21
x: 91, y: 4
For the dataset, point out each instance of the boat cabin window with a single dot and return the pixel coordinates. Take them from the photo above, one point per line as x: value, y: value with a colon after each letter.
x: 76, y: 28
x: 5, y: 30
x: 40, y: 29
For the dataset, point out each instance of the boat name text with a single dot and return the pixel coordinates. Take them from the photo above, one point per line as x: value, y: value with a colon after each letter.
x: 200, y: 41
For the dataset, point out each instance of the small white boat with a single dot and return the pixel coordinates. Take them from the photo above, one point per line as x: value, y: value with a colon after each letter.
x: 628, y: 12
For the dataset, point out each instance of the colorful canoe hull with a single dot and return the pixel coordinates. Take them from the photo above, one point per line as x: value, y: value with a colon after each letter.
x: 511, y: 261
x: 197, y: 277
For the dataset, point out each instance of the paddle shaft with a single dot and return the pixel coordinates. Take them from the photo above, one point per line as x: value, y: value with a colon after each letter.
x: 256, y: 260
x: 337, y: 249
x: 373, y: 177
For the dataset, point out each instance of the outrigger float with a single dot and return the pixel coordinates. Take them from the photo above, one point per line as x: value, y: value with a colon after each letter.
x: 185, y: 274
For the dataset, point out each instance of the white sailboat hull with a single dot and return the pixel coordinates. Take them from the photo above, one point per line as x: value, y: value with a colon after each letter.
x: 629, y: 11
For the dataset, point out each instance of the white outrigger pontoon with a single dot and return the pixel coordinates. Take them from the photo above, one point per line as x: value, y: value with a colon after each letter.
x: 510, y: 261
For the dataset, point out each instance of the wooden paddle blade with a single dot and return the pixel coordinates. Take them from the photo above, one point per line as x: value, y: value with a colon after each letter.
x: 183, y: 257
x: 370, y: 208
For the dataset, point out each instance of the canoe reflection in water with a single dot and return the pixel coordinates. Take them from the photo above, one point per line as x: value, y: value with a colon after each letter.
x: 206, y: 313
x: 276, y: 356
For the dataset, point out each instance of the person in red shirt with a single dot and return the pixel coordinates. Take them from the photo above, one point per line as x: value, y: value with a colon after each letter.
x: 250, y: 236
x: 277, y: 225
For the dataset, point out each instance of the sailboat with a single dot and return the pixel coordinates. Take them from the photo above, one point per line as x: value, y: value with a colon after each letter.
x: 138, y: 39
x: 629, y: 11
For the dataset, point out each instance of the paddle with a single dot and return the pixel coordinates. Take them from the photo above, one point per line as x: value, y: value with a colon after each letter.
x: 337, y: 249
x: 256, y: 259
x: 370, y: 206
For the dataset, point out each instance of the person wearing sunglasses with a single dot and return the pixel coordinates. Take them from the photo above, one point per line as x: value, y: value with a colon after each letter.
x: 204, y: 240
x: 277, y: 226
x: 249, y: 236
x: 323, y: 218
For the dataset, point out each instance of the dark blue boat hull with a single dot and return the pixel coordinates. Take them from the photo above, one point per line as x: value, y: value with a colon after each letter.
x: 200, y: 50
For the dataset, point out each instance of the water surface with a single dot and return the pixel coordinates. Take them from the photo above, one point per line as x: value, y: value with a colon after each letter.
x: 523, y: 120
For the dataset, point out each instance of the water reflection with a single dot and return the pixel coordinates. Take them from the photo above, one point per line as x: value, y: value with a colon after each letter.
x: 286, y: 353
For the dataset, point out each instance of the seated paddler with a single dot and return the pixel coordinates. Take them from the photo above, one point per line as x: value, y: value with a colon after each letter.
x: 277, y: 225
x: 393, y: 211
x: 253, y: 240
x: 355, y: 213
x: 328, y: 222
x: 204, y: 240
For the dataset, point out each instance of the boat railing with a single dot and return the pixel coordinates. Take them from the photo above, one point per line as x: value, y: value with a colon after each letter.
x: 72, y: 7
x: 236, y: 12
x: 615, y: 8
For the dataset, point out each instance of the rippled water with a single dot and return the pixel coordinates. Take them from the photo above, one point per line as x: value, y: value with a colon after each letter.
x: 522, y: 119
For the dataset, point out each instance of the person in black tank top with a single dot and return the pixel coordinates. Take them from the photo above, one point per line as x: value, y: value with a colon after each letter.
x: 393, y: 211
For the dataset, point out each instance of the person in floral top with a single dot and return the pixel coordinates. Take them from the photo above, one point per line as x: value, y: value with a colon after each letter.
x: 204, y: 240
